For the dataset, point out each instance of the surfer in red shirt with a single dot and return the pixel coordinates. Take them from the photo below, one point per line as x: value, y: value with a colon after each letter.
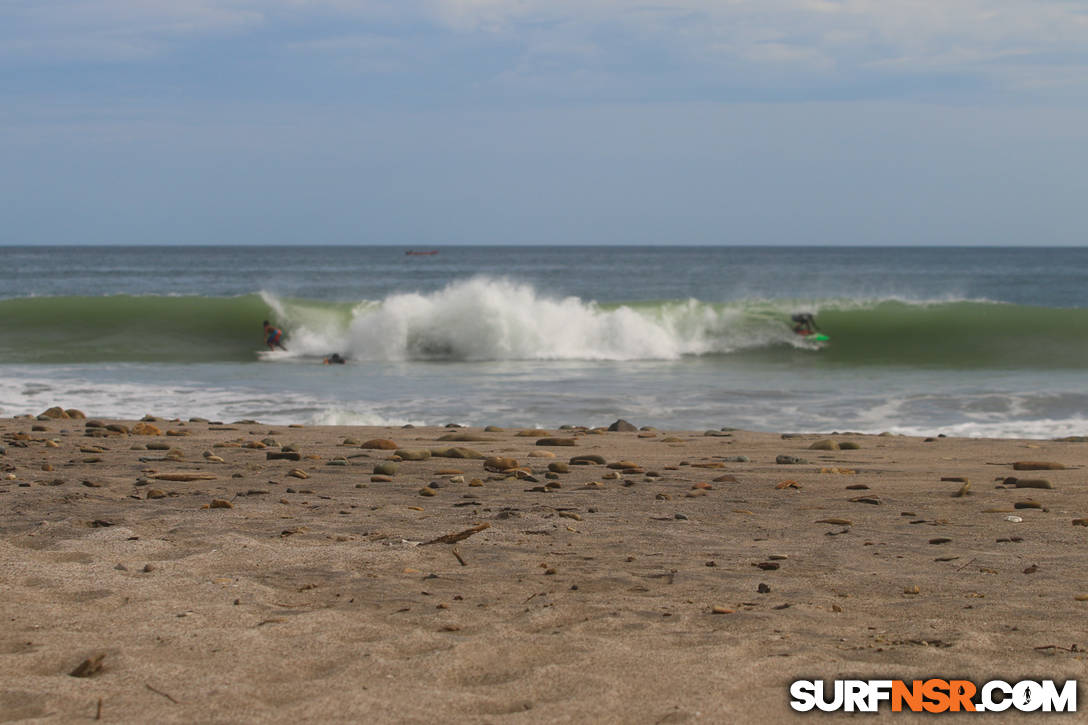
x: 273, y: 335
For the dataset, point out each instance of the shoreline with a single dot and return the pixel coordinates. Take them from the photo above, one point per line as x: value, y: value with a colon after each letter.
x: 675, y: 582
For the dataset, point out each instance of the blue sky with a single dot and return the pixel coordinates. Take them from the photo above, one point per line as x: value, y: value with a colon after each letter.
x: 544, y: 121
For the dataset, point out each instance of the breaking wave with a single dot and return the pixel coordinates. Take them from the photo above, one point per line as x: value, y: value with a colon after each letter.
x: 497, y: 319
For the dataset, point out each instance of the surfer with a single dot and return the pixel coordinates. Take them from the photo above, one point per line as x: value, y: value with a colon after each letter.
x: 273, y: 335
x: 804, y: 323
x: 335, y: 359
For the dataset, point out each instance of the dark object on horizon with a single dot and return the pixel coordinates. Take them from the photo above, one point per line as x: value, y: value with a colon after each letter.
x: 414, y: 253
x: 335, y: 359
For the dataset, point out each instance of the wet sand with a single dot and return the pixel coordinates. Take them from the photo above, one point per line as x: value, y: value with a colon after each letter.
x: 686, y: 585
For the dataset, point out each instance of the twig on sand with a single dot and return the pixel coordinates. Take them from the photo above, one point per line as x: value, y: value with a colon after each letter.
x: 160, y: 692
x: 1074, y: 648
x: 454, y: 538
x: 460, y: 560
x: 98, y: 712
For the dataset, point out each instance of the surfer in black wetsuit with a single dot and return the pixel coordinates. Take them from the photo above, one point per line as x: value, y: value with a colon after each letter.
x: 804, y: 323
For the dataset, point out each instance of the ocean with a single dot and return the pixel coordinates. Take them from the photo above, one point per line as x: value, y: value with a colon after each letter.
x: 924, y: 341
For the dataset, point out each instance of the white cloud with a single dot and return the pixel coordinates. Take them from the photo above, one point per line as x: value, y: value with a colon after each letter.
x: 1036, y: 44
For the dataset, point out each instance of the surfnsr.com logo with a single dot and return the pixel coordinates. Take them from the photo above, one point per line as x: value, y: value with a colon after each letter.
x: 933, y: 695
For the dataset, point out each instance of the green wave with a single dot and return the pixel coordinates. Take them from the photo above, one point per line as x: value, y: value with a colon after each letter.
x: 957, y: 335
x: 963, y: 334
x: 131, y: 328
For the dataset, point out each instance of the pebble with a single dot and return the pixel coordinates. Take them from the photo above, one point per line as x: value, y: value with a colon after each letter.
x: 385, y: 468
x: 1027, y: 505
x: 587, y: 459
x: 220, y: 503
x: 1037, y: 466
x: 155, y: 493
x: 721, y: 610
x: 383, y: 444
x: 427, y: 492
x: 556, y: 442
x: 413, y: 455
x: 784, y: 460
x: 1033, y: 483
x: 457, y: 452
x: 825, y: 445
x: 298, y: 473
x: 499, y: 464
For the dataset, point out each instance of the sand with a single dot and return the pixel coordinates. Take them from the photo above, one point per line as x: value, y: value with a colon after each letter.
x: 318, y: 599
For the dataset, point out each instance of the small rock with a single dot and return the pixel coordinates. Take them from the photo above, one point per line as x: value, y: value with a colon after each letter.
x: 1037, y: 466
x: 385, y: 468
x: 298, y: 473
x: 88, y: 667
x: 622, y: 426
x: 559, y: 467
x: 498, y: 464
x: 220, y: 503
x: 413, y: 455
x: 1033, y: 483
x: 556, y: 442
x: 784, y: 460
x: 383, y: 444
x: 824, y: 445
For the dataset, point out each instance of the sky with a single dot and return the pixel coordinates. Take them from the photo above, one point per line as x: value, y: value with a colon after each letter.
x: 428, y: 122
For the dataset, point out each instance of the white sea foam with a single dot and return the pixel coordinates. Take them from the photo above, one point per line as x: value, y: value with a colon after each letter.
x: 497, y: 319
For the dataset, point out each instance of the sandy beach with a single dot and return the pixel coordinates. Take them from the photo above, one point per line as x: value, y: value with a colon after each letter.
x: 241, y: 572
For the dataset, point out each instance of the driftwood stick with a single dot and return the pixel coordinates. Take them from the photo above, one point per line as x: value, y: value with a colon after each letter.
x: 454, y: 538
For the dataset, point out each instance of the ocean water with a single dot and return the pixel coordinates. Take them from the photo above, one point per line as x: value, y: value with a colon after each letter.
x: 961, y: 341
